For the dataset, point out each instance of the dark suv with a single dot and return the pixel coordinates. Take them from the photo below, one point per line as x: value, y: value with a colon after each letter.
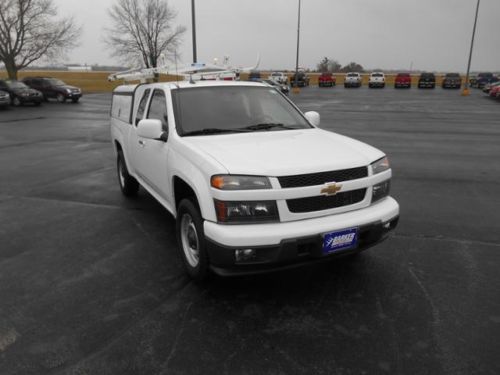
x: 54, y: 88
x: 452, y: 81
x: 427, y: 80
x: 301, y: 78
x: 483, y: 79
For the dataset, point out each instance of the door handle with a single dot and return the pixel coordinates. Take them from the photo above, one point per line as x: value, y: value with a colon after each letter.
x: 142, y: 143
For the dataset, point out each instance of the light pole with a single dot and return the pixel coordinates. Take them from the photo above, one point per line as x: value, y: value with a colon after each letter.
x: 193, y: 19
x: 466, y: 91
x: 296, y: 89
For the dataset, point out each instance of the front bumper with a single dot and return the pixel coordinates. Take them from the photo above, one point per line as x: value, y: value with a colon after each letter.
x: 284, y: 245
x: 73, y: 95
x: 376, y: 84
x: 31, y: 99
x: 424, y: 84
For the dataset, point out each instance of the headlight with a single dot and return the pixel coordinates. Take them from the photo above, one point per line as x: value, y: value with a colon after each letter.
x: 68, y: 91
x: 235, y: 182
x: 381, y: 165
x: 244, y: 212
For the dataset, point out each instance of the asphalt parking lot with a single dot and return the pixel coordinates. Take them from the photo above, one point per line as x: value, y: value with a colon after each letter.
x: 92, y: 283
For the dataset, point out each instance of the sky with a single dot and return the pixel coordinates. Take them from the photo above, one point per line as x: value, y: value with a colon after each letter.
x: 429, y: 35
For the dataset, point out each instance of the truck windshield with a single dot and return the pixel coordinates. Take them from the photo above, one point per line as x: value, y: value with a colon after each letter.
x: 231, y: 109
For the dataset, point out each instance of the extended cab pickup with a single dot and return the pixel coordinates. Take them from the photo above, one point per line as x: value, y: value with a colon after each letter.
x: 253, y: 183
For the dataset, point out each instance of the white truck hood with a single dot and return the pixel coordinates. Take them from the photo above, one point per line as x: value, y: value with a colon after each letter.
x: 285, y: 152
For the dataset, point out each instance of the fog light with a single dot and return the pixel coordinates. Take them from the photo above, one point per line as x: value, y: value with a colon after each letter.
x: 243, y: 255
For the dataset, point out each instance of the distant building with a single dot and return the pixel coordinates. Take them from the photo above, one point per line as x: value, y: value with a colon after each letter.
x: 79, y: 68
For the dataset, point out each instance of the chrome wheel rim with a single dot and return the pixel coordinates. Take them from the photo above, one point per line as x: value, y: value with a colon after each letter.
x: 190, y: 241
x: 60, y: 98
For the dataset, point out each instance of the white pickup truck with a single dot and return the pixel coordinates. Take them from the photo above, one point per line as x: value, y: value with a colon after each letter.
x: 253, y: 183
x: 353, y: 79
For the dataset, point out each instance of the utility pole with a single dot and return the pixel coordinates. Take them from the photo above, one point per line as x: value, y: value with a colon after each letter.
x: 466, y: 91
x: 296, y: 89
x: 193, y: 19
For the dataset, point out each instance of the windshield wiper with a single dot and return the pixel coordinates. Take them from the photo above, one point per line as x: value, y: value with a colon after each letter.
x: 209, y: 131
x: 268, y: 125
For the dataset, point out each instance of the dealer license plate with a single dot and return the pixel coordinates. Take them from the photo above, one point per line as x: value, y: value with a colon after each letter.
x: 340, y: 240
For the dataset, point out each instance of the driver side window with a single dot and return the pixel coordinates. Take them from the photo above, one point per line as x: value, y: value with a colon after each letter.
x: 142, y: 106
x: 158, y: 108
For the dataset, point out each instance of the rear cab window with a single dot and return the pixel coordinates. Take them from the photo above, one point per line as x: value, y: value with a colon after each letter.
x: 121, y: 106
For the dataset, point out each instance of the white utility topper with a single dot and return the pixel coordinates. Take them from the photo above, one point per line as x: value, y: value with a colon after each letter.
x: 254, y: 184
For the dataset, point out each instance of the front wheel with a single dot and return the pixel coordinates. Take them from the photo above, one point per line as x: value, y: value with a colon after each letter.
x: 61, y: 98
x: 128, y: 184
x: 191, y: 240
x: 75, y: 100
x: 16, y: 102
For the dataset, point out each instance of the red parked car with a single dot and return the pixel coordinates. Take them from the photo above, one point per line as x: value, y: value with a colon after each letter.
x: 326, y: 80
x: 495, y: 91
x: 402, y: 80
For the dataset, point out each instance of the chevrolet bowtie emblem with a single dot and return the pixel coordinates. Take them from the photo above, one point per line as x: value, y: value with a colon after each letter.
x: 331, y: 189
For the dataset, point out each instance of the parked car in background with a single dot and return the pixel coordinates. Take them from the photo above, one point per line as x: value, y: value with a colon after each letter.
x: 53, y: 88
x: 352, y: 79
x: 278, y: 86
x: 279, y: 77
x: 489, y: 86
x: 377, y: 79
x: 484, y: 78
x: 254, y: 76
x: 495, y: 91
x: 452, y: 81
x: 4, y: 99
x: 300, y: 79
x: 20, y: 93
x: 327, y: 79
x: 402, y: 80
x: 427, y: 80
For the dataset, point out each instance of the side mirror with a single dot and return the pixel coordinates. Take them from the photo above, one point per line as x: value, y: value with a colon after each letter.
x: 150, y: 129
x: 313, y: 117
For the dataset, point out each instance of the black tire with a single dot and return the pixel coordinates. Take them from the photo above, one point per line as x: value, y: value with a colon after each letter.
x: 37, y: 104
x: 61, y: 98
x: 75, y: 100
x: 191, y: 240
x: 16, y: 102
x: 128, y: 184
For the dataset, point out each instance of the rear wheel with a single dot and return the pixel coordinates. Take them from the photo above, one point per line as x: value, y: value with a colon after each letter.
x: 191, y: 240
x: 128, y: 184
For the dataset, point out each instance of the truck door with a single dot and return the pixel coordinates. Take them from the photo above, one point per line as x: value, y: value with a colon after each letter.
x: 150, y: 156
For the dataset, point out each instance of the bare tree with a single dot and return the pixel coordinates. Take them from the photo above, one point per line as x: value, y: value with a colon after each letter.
x: 142, y: 31
x: 29, y: 31
x: 353, y: 67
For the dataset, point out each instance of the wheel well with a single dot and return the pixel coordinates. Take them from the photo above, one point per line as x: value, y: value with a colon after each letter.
x: 182, y: 190
x: 118, y: 146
